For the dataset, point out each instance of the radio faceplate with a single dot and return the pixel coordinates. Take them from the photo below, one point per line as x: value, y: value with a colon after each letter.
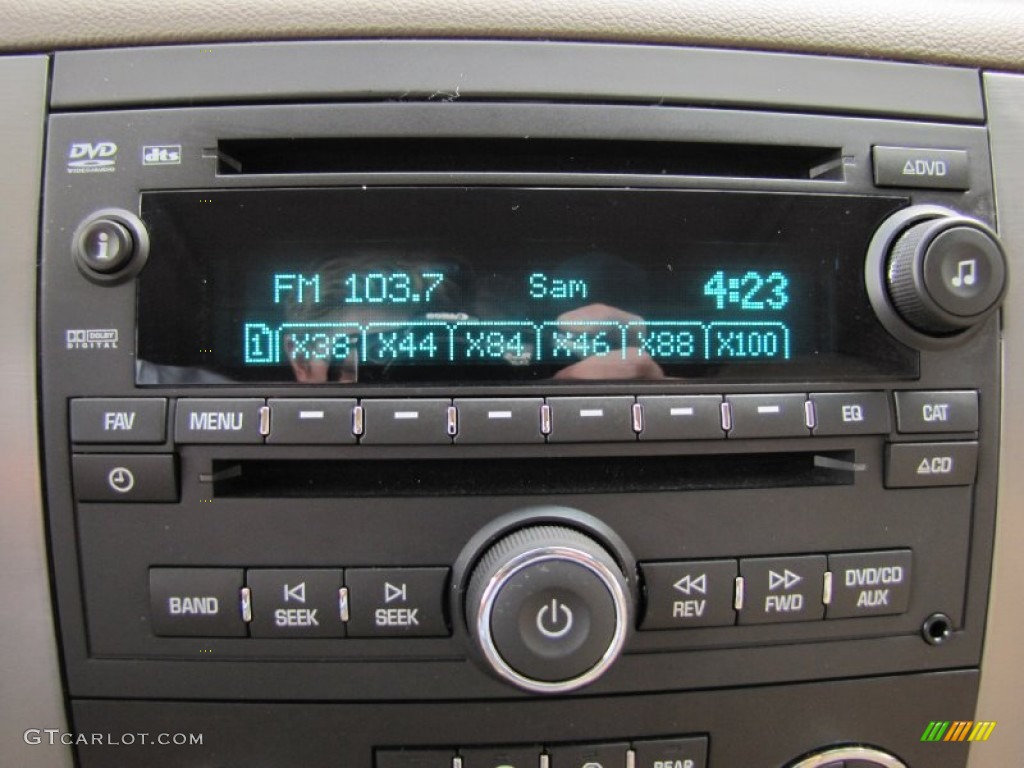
x: 832, y: 511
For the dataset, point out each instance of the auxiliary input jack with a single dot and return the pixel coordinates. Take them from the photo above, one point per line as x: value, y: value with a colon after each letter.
x: 937, y: 629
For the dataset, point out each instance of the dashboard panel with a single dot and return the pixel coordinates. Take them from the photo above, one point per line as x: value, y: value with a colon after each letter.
x: 348, y: 511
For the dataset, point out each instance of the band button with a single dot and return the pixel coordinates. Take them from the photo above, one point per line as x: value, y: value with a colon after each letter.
x: 851, y: 413
x: 196, y: 602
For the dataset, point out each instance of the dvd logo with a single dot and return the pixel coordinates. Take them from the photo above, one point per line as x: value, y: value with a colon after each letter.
x: 84, y: 157
x: 168, y: 154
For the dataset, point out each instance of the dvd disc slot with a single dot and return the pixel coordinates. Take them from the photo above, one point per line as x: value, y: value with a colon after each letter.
x: 330, y: 478
x: 246, y: 157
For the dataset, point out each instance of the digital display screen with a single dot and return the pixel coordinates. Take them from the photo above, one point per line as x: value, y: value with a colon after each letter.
x: 448, y: 285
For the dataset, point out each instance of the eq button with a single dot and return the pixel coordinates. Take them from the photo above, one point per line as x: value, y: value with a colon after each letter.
x: 851, y: 413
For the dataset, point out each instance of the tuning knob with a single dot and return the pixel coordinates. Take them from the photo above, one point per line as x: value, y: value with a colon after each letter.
x: 945, y: 274
x: 548, y: 608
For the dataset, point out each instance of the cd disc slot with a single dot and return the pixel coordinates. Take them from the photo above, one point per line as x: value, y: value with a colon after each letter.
x: 246, y: 157
x: 329, y: 478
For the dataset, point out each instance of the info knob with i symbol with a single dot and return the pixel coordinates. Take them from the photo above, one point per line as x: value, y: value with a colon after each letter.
x: 110, y: 246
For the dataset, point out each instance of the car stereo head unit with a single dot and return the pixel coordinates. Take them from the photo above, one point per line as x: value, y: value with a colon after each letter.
x: 526, y: 405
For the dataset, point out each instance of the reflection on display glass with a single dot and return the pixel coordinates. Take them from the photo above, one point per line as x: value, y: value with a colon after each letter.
x: 441, y: 285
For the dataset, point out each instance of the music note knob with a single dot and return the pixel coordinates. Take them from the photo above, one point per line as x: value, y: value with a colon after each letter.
x: 946, y: 274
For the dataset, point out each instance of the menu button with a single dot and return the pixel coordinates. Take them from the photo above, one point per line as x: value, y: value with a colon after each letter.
x: 200, y: 420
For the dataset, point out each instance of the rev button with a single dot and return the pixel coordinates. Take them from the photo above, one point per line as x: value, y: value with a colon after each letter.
x: 397, y: 602
x: 689, y: 594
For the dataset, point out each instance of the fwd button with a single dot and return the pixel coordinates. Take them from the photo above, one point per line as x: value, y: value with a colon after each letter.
x: 778, y: 589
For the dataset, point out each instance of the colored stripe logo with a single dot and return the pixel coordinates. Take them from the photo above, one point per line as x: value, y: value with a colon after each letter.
x: 958, y: 730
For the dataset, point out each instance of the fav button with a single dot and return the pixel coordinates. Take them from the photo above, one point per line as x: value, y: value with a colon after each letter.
x: 397, y: 602
x: 196, y: 602
x: 118, y: 420
x: 947, y: 411
x: 782, y: 589
x: 214, y: 420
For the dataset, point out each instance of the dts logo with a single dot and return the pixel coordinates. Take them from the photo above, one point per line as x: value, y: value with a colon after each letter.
x: 84, y: 157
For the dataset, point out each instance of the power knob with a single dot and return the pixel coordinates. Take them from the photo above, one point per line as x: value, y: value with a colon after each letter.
x: 849, y: 757
x: 548, y: 608
x: 942, y: 274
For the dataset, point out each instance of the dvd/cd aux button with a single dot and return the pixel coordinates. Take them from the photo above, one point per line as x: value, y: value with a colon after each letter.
x: 851, y: 413
x: 922, y: 465
x: 196, y: 602
x: 406, y: 422
x: 689, y: 594
x: 591, y: 419
x: 396, y: 602
x: 130, y: 477
x: 869, y: 583
x: 216, y: 420
x: 922, y: 411
x: 119, y: 420
x: 782, y: 589
x: 306, y: 422
x: 294, y: 602
x: 768, y: 415
x: 697, y: 417
x: 506, y: 421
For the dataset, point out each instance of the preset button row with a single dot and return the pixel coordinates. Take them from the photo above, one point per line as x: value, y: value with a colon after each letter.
x: 294, y: 602
x: 768, y: 590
